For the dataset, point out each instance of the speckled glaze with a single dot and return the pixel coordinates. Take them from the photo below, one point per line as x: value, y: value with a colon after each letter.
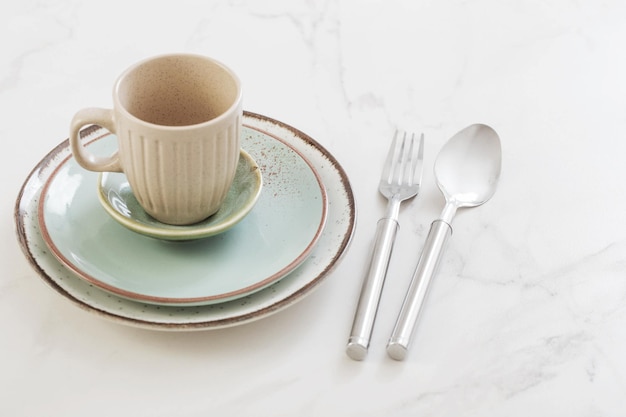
x: 333, y: 243
x: 272, y: 241
x: 178, y: 120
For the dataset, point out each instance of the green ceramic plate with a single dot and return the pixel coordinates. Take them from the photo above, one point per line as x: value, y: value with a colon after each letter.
x: 270, y: 242
x: 118, y: 200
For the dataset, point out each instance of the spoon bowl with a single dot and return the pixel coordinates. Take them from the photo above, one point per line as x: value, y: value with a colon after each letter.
x: 468, y: 167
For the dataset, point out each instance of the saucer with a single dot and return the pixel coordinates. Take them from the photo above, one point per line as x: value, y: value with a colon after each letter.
x: 291, y: 289
x: 269, y: 243
x: 118, y: 200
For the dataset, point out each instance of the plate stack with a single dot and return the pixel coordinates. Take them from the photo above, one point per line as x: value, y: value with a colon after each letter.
x: 92, y: 245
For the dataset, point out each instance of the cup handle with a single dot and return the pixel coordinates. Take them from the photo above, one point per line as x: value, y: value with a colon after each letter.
x: 89, y: 161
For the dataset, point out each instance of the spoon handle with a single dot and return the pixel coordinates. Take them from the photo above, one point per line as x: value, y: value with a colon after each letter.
x: 427, y: 265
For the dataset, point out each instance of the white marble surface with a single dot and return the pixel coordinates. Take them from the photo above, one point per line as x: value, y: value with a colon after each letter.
x: 528, y: 313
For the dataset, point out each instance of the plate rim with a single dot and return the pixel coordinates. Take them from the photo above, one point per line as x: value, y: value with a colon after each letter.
x: 206, y: 323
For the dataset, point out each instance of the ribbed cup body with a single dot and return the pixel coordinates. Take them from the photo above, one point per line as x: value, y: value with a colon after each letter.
x: 177, y: 118
x: 180, y: 176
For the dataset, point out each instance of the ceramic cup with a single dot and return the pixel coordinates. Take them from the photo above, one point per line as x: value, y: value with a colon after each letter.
x: 177, y: 119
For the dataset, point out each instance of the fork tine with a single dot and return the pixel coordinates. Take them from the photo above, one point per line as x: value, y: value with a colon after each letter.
x: 398, y: 167
x: 410, y: 162
x: 403, y: 166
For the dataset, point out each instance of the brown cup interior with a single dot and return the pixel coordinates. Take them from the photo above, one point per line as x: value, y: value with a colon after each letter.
x: 177, y: 90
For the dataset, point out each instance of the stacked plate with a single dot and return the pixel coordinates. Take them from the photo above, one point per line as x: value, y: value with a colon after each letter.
x: 78, y: 232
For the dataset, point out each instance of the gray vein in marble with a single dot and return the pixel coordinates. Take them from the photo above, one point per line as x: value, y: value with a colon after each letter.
x: 60, y: 17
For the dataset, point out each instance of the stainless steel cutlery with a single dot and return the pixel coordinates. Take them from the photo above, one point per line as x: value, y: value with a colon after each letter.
x: 467, y: 171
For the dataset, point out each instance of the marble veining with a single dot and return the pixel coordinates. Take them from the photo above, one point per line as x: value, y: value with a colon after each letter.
x: 527, y: 315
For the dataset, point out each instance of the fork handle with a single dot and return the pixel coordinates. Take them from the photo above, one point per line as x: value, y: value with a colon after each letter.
x: 426, y: 268
x: 371, y: 290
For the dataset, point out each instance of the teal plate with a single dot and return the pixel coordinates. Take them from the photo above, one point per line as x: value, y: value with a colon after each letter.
x: 276, y: 236
x: 117, y: 198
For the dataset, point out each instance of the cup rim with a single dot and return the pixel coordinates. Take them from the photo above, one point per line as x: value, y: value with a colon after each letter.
x: 233, y: 107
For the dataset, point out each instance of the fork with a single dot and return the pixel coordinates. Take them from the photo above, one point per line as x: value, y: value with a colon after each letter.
x: 400, y: 181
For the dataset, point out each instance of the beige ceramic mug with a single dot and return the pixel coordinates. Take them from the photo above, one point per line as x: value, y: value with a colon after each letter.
x: 177, y: 119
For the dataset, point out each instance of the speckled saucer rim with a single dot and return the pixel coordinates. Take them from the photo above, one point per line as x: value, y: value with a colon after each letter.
x: 188, y: 232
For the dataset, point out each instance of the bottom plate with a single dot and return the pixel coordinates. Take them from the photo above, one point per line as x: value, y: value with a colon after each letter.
x: 332, y: 244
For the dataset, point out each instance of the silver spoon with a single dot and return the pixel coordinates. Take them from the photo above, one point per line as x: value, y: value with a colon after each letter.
x: 467, y: 170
